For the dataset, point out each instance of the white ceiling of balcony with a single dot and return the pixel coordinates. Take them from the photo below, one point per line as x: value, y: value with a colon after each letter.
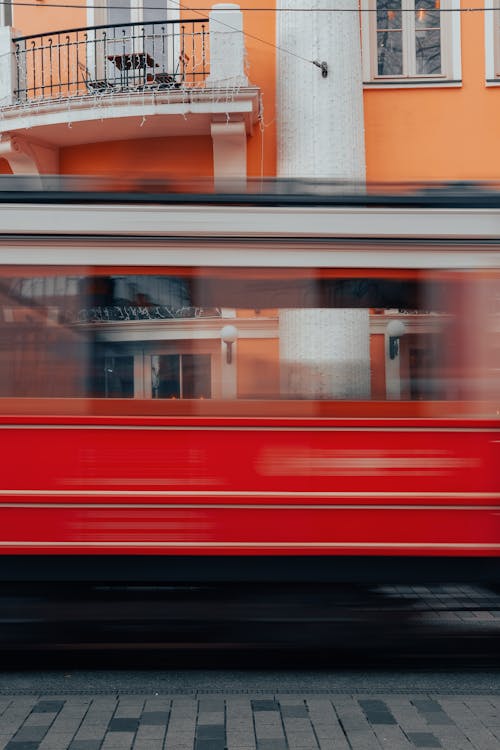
x: 111, y: 117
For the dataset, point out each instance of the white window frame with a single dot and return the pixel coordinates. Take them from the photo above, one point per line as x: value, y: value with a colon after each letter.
x: 492, y: 46
x: 451, y: 74
x: 98, y: 16
x: 6, y: 14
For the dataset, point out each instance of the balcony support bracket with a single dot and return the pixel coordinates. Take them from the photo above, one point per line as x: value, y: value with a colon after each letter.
x: 26, y: 156
x: 229, y: 141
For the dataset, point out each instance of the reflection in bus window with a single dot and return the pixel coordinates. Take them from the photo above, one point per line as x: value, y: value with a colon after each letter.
x: 112, y: 376
x: 319, y: 335
x: 181, y: 376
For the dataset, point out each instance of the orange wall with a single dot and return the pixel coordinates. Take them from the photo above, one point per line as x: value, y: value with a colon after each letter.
x: 40, y: 18
x: 440, y: 133
x: 377, y: 367
x: 411, y: 134
x: 181, y: 156
x: 258, y: 368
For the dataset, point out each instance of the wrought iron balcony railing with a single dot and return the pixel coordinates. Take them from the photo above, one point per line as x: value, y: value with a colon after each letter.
x: 97, y: 60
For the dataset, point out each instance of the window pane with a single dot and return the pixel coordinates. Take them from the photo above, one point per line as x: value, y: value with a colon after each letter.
x: 427, y: 16
x: 389, y: 53
x: 196, y: 376
x: 389, y: 18
x: 166, y: 376
x: 389, y: 37
x: 428, y: 51
x: 155, y: 10
x: 119, y: 12
x: 111, y: 376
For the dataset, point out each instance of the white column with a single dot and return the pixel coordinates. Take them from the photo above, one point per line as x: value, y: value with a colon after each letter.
x: 325, y: 353
x: 227, y: 47
x: 229, y: 143
x: 8, y: 68
x: 320, y: 120
x: 229, y: 370
x: 227, y: 71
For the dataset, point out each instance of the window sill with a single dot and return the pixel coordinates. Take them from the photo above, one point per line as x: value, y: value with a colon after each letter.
x: 492, y: 82
x: 415, y: 84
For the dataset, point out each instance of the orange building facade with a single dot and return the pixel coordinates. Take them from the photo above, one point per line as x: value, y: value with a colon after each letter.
x: 206, y: 95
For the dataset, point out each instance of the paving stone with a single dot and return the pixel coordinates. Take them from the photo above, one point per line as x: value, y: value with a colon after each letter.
x: 363, y: 740
x: 48, y: 707
x: 377, y: 712
x: 30, y: 734
x: 271, y: 745
x: 151, y: 732
x: 210, y: 731
x: 452, y: 738
x: 90, y: 733
x: 211, y: 704
x: 426, y: 705
x: 339, y: 743
x: 392, y: 738
x: 210, y: 744
x: 240, y: 738
x: 424, y: 739
x: 123, y: 725
x: 85, y: 745
x: 212, y: 717
x: 265, y: 705
x: 432, y: 711
x: 128, y: 711
x: 302, y: 740
x: 180, y: 738
x: 157, y: 703
x: 268, y: 730
x: 154, y: 718
x: 294, y: 711
x: 114, y: 744
x: 56, y: 742
x: 22, y: 745
x: 39, y: 720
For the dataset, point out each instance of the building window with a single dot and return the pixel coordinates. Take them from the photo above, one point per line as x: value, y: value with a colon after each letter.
x: 116, y: 12
x: 181, y: 376
x: 492, y: 45
x: 411, y: 42
x: 6, y: 13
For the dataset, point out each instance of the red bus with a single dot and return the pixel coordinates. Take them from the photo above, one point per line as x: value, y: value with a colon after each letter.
x: 297, y: 384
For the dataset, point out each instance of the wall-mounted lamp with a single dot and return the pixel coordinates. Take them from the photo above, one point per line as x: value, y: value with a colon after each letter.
x: 229, y: 334
x: 395, y: 330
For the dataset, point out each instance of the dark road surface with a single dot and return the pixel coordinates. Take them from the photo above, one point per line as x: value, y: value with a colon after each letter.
x: 249, y: 668
x: 315, y: 626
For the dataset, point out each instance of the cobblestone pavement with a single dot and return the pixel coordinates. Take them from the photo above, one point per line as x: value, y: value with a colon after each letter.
x: 246, y: 722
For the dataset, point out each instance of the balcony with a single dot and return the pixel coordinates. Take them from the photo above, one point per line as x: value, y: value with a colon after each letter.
x: 111, y: 60
x: 128, y: 81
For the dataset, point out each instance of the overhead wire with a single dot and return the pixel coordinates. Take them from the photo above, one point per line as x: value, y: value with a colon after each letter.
x: 177, y: 6
x: 203, y: 11
x: 42, y: 4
